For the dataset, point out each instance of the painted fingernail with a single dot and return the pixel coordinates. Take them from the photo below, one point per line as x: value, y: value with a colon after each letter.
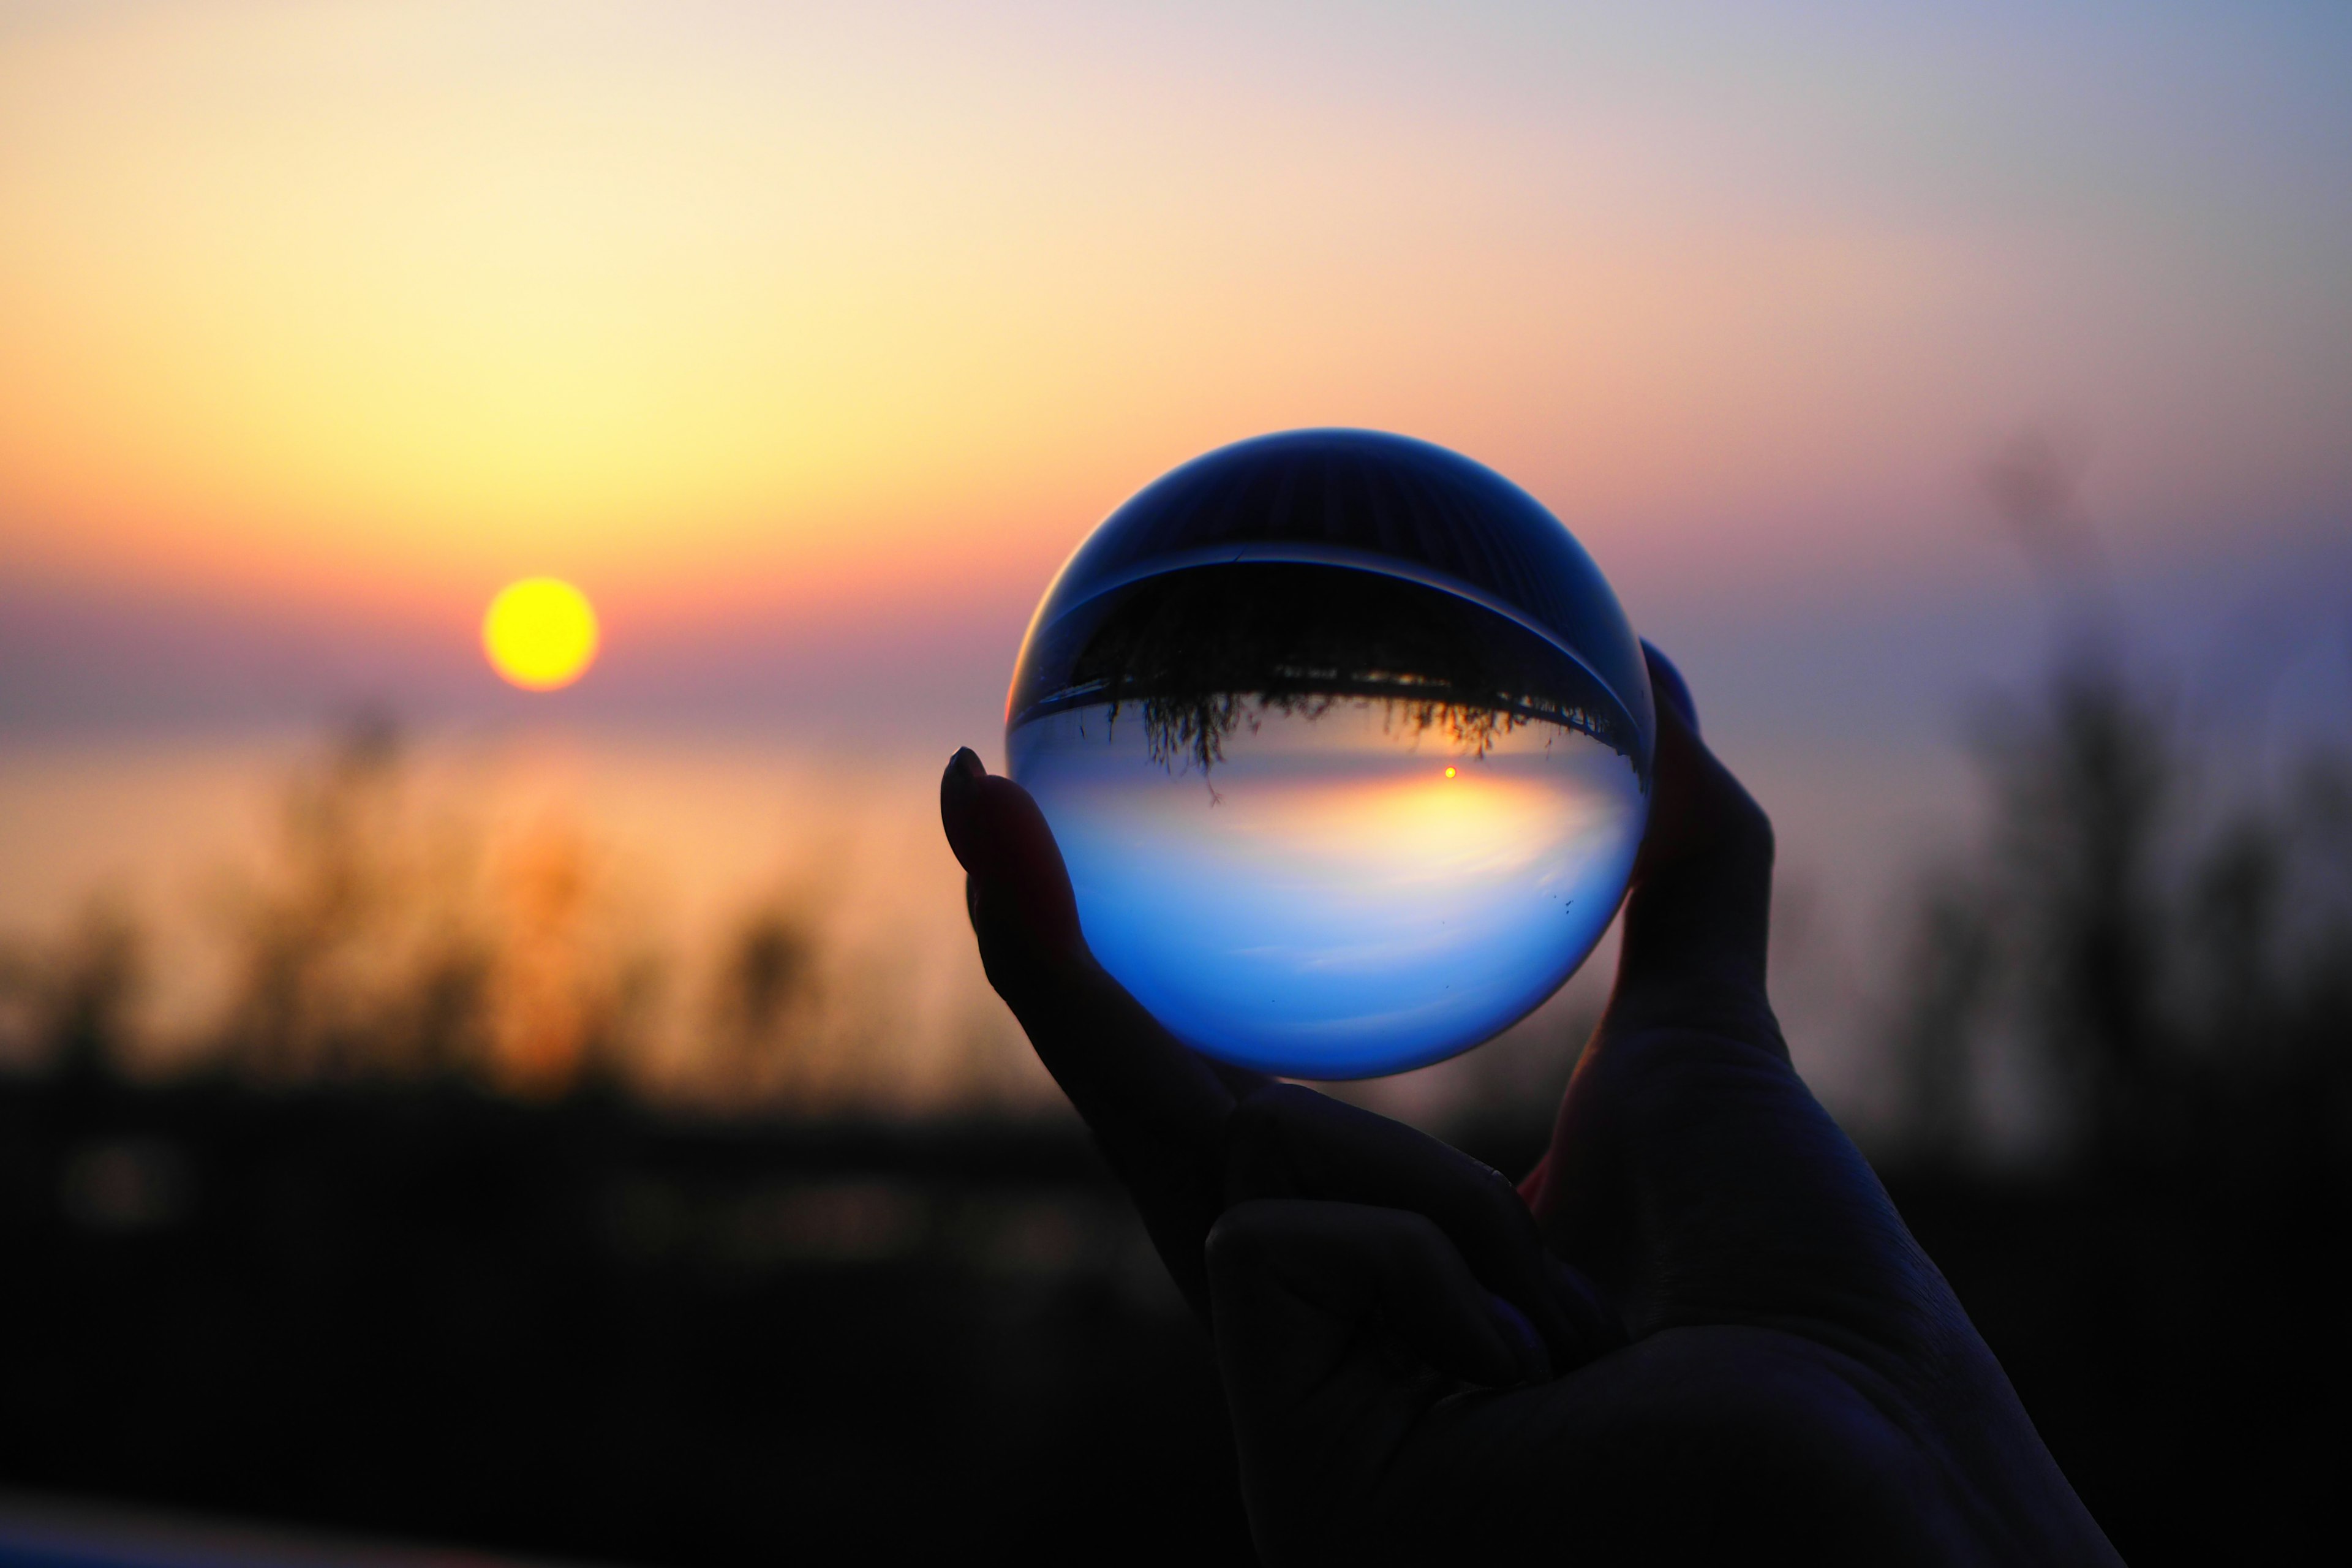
x: 957, y: 785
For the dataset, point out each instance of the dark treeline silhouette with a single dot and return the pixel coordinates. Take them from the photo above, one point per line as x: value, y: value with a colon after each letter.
x: 1288, y: 570
x: 375, y: 1287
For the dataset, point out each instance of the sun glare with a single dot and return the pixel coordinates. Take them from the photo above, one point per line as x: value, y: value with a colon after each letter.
x: 540, y: 633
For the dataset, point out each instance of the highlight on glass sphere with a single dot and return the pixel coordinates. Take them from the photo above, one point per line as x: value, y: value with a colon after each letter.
x: 1346, y: 744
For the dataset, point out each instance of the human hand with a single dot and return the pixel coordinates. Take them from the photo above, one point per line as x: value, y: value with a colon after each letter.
x: 1706, y: 1333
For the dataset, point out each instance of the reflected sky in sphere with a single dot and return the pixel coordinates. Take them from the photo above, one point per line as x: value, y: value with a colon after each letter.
x: 1340, y: 896
x: 1346, y: 744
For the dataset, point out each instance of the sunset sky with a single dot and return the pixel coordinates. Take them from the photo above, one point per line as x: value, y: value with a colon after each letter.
x: 808, y: 341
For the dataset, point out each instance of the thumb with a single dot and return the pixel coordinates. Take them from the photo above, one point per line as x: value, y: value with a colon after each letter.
x: 1697, y: 917
x: 1668, y: 1084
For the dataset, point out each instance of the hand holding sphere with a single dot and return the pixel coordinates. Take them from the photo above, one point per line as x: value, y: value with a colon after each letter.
x: 1697, y: 1333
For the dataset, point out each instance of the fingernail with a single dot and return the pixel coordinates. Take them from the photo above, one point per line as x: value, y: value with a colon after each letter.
x: 1667, y: 682
x: 957, y: 786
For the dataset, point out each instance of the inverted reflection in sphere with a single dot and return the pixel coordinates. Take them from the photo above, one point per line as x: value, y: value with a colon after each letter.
x: 1346, y: 744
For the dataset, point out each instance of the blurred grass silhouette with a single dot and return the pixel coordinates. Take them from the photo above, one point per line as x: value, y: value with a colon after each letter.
x: 389, y: 938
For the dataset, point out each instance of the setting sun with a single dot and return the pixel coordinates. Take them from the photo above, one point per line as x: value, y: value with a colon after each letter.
x: 540, y: 633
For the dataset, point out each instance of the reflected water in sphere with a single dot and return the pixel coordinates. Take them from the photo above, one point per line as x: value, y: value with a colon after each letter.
x: 1346, y: 744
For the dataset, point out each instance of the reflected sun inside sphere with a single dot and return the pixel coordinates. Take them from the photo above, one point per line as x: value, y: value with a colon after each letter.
x: 539, y: 633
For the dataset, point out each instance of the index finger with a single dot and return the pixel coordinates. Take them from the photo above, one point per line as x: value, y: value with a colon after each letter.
x: 1157, y: 1108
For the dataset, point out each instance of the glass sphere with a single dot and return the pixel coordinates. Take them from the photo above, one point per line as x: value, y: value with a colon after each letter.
x: 1347, y: 745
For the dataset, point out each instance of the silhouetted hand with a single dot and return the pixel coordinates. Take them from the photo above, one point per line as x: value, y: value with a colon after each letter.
x: 1704, y: 1334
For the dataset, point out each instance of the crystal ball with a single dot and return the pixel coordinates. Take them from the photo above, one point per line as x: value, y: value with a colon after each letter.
x: 1347, y: 745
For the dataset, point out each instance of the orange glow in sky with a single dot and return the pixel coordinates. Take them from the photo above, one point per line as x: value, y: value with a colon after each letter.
x: 373, y: 301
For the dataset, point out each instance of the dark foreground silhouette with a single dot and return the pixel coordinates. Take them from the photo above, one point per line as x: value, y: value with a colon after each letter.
x: 574, y: 1330
x: 579, y: 1331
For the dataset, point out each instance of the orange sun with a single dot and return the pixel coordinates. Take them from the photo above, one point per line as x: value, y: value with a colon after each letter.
x: 540, y: 633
